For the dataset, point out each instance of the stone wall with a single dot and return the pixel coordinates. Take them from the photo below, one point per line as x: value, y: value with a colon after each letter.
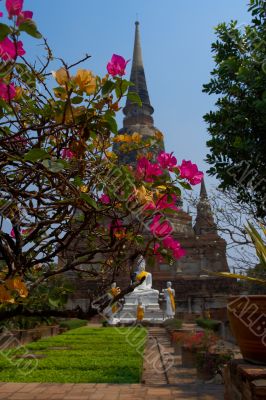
x: 244, y: 381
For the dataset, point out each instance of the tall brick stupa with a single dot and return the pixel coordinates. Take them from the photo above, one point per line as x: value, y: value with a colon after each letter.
x: 195, y: 290
x: 205, y: 249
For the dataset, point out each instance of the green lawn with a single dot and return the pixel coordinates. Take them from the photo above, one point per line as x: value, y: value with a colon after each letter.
x: 99, y: 355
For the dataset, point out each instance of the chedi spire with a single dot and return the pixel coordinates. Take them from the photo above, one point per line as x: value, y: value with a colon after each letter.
x: 134, y: 114
x: 204, y: 220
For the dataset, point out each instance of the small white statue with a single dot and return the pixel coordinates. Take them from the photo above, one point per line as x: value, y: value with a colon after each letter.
x: 140, y: 311
x: 169, y: 295
x: 111, y: 310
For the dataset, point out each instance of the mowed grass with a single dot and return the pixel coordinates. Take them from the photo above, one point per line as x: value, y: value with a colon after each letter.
x: 95, y: 355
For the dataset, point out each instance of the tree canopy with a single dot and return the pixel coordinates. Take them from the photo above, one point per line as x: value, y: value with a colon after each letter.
x: 60, y: 181
x: 237, y: 125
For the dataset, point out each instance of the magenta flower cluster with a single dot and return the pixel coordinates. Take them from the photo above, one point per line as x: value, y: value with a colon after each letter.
x: 117, y: 65
x: 10, y: 50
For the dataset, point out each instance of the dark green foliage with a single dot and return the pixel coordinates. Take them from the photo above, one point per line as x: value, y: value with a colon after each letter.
x: 73, y: 323
x: 173, y: 323
x: 237, y: 125
x: 259, y: 273
x: 111, y: 355
x: 21, y: 322
x: 211, y: 362
x: 210, y: 324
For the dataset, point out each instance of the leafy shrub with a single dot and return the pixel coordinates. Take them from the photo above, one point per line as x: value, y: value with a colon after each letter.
x: 200, y: 341
x: 73, y: 323
x: 212, y: 362
x: 21, y: 322
x: 210, y: 324
x: 173, y: 323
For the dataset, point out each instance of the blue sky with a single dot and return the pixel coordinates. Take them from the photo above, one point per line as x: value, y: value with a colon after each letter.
x: 176, y: 41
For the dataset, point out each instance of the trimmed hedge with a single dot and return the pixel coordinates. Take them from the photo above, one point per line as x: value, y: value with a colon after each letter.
x: 173, y: 323
x: 73, y: 323
x: 210, y: 324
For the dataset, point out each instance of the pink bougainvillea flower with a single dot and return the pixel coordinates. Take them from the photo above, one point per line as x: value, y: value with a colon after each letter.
x: 117, y: 65
x: 67, y: 154
x: 1, y: 14
x: 146, y: 170
x: 19, y: 49
x: 23, y: 232
x: 7, y: 92
x: 24, y: 16
x: 9, y: 50
x: 21, y: 140
x: 105, y: 199
x: 14, y: 7
x: 118, y: 229
x: 159, y: 227
x: 166, y: 160
x: 190, y: 172
x: 164, y: 203
x: 170, y: 243
x: 157, y: 253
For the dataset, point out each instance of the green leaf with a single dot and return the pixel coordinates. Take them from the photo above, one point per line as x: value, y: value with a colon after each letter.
x: 134, y: 98
x: 78, y: 181
x: 30, y: 28
x: 54, y: 302
x: 77, y: 100
x: 89, y: 200
x: 108, y: 87
x: 36, y: 155
x: 176, y: 170
x: 185, y: 185
x: 111, y: 122
x: 4, y: 31
x: 54, y: 166
x: 122, y: 87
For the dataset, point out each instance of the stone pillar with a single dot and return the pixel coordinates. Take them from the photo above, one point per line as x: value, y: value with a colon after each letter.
x: 189, y: 305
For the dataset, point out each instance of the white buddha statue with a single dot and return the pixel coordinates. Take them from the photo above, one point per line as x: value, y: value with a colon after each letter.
x: 143, y: 294
x: 140, y: 273
x: 145, y: 288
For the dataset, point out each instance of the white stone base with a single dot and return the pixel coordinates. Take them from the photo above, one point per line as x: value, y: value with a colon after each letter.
x: 149, y: 298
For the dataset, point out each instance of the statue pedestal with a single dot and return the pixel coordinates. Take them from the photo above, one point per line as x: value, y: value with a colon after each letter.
x: 150, y: 301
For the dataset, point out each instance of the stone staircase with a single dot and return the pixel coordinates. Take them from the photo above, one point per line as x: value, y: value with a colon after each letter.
x: 163, y: 368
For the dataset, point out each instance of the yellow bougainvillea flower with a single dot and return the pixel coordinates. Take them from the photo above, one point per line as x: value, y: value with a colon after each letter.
x: 161, y: 187
x: 115, y: 106
x: 119, y: 138
x: 86, y: 81
x: 111, y: 154
x: 19, y: 93
x: 61, y: 76
x: 5, y: 296
x: 158, y: 135
x: 120, y: 235
x: 143, y: 195
x: 136, y: 137
x: 84, y: 188
x: 123, y: 138
x: 18, y: 285
x: 128, y: 139
x: 149, y: 155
